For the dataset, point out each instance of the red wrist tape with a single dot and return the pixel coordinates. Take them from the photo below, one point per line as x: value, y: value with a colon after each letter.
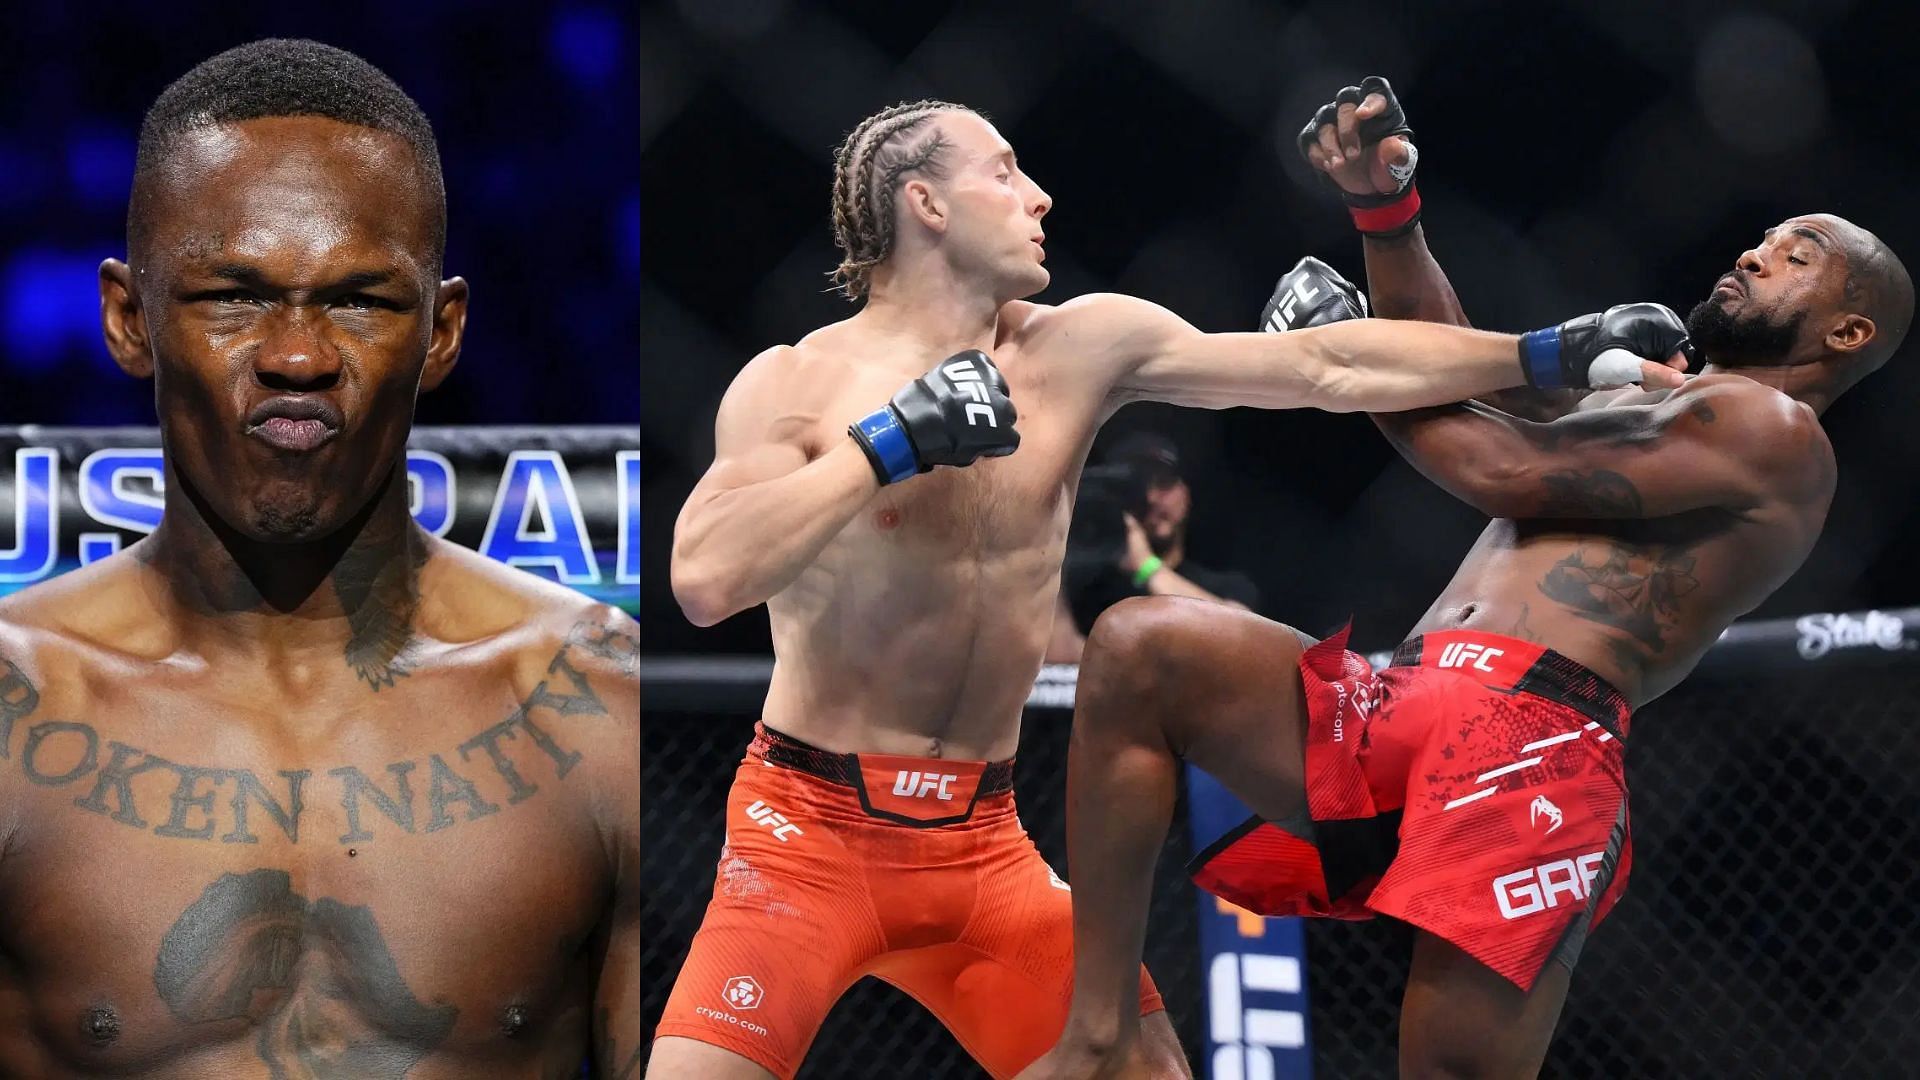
x: 1389, y: 218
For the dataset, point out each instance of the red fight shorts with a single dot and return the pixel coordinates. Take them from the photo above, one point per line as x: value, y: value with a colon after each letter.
x: 1475, y: 788
x: 913, y: 870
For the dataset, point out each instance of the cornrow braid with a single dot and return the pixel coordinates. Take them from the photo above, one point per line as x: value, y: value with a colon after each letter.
x: 866, y: 173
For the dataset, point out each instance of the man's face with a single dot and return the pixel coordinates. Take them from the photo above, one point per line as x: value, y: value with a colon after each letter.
x: 995, y: 209
x: 1774, y: 308
x: 288, y: 286
x: 1168, y: 504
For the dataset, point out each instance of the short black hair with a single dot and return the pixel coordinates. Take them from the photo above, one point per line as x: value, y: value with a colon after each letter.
x: 286, y: 77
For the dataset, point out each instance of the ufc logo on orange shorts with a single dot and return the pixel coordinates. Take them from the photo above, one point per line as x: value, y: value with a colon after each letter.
x: 766, y: 815
x: 916, y: 785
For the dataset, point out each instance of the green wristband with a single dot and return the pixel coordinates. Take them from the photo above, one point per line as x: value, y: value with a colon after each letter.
x: 1147, y: 570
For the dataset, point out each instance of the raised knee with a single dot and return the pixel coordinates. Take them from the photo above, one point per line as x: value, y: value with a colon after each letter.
x: 1168, y: 634
x: 1143, y: 633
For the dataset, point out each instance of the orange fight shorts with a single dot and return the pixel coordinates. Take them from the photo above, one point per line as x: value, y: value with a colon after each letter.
x: 1475, y: 788
x: 915, y: 871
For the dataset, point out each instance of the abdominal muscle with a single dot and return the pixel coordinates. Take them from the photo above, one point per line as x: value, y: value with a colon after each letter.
x: 886, y: 645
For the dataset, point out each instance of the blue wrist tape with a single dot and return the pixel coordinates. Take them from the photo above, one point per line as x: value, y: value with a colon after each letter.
x: 1540, y: 358
x: 890, y: 442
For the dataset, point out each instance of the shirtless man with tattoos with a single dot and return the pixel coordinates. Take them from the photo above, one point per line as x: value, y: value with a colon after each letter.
x: 1475, y: 788
x: 292, y: 788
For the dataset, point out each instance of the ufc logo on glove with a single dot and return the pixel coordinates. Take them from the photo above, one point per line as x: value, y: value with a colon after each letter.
x: 1300, y: 293
x: 966, y: 378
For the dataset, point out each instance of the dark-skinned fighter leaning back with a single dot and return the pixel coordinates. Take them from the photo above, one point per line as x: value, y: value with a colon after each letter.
x: 1475, y: 788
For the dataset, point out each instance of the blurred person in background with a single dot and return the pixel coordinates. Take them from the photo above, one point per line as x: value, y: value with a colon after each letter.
x: 866, y: 488
x: 1476, y: 787
x: 292, y: 785
x: 1156, y: 558
x: 1138, y: 544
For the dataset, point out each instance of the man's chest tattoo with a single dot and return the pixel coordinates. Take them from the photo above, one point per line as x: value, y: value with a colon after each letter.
x: 465, y: 781
x: 315, y: 978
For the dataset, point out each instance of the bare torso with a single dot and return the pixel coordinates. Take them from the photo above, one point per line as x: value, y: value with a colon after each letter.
x: 1636, y: 601
x: 213, y: 871
x: 921, y: 626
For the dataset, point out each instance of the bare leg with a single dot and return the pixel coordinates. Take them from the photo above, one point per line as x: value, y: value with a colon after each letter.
x: 689, y: 1059
x: 1459, y: 1020
x: 1163, y: 679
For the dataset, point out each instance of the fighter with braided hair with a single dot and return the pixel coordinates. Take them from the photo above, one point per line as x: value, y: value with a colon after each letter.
x: 863, y: 230
x: 871, y: 829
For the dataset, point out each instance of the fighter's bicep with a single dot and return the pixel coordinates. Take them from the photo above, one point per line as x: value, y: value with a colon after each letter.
x: 1134, y: 349
x: 761, y: 428
x: 749, y: 465
x: 1275, y: 371
x: 1726, y: 447
x: 1750, y: 440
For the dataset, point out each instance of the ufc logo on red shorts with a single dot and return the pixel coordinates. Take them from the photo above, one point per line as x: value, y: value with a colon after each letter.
x: 966, y: 378
x: 766, y: 815
x: 917, y: 785
x: 1468, y: 653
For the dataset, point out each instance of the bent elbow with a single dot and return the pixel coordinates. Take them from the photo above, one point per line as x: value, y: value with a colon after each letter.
x: 702, y: 607
x: 702, y: 595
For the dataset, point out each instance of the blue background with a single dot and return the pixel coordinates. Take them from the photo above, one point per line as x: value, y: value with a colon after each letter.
x: 534, y: 108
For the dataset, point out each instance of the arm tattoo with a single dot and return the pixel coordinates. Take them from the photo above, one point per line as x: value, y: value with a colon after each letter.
x: 1572, y: 493
x: 1600, y: 492
x: 1605, y: 427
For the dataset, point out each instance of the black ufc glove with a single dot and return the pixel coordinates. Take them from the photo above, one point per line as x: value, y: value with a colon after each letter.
x: 1394, y: 213
x: 1312, y: 294
x: 1604, y: 349
x: 954, y: 414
